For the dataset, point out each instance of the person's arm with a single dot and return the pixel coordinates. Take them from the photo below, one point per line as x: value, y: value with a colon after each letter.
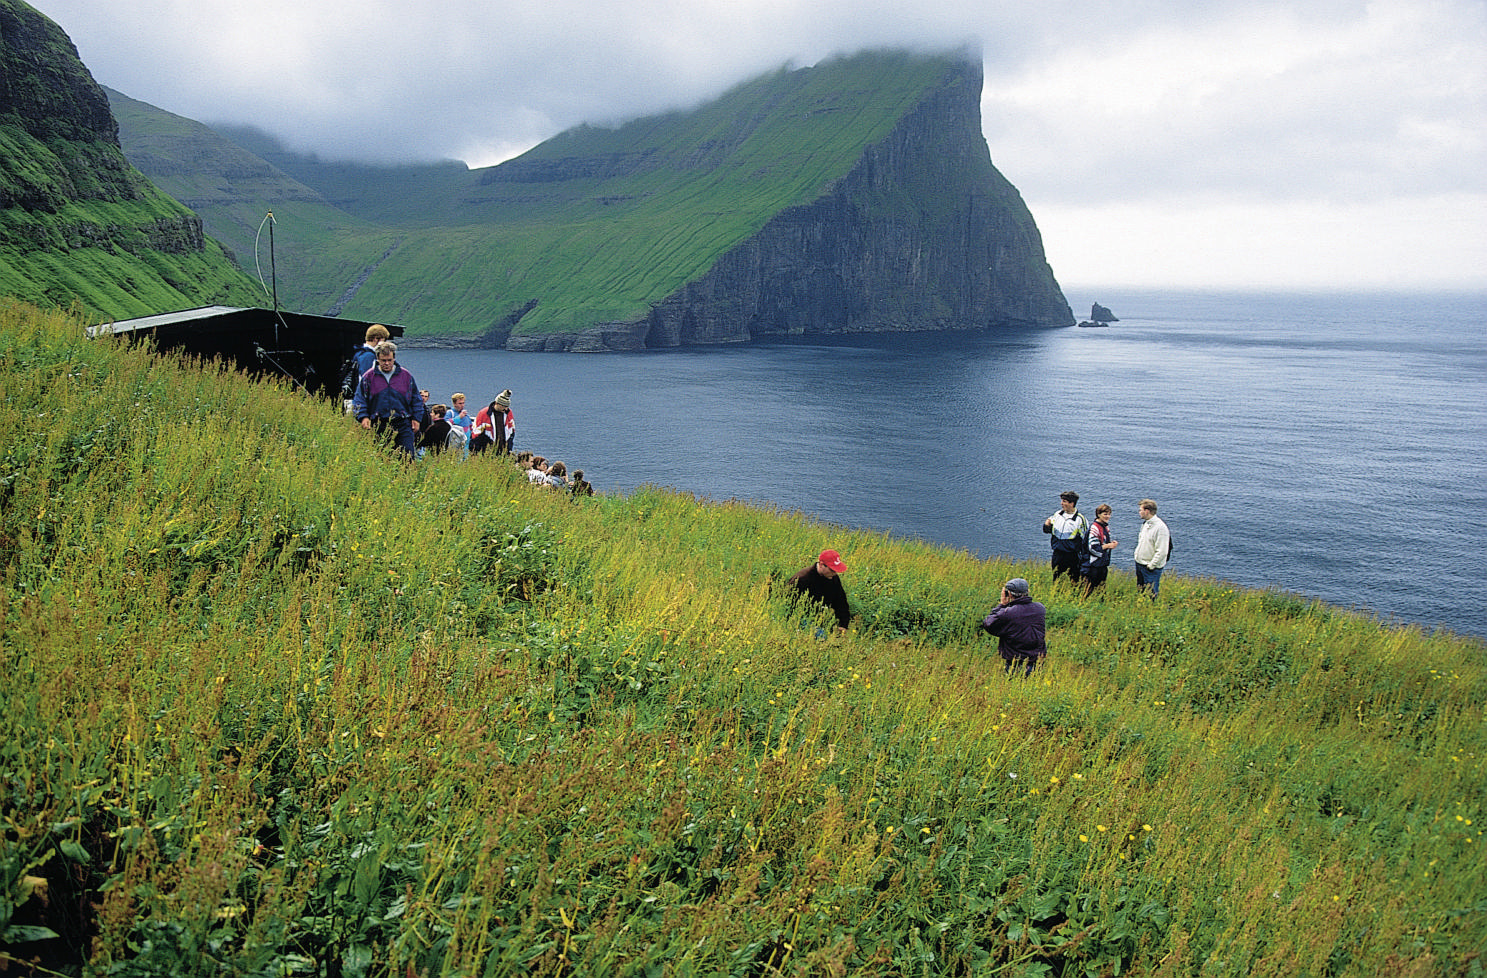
x: 360, y: 408
x: 1159, y: 547
x: 1143, y: 544
x: 419, y: 410
x: 841, y: 607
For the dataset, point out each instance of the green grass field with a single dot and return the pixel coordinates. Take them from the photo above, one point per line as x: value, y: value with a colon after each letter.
x: 277, y: 704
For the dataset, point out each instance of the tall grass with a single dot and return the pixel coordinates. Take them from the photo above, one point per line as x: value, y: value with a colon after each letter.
x: 279, y: 704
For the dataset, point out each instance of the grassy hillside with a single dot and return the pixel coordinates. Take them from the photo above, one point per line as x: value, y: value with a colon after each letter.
x: 595, y: 225
x: 278, y: 704
x: 115, y: 257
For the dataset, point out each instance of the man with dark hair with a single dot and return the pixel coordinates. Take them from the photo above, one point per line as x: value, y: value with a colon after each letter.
x: 1069, y: 531
x: 819, y: 582
x: 1020, y: 624
x: 435, y: 436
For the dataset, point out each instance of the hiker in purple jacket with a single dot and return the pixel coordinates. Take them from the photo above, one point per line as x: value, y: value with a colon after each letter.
x: 388, y: 399
x: 1018, y: 624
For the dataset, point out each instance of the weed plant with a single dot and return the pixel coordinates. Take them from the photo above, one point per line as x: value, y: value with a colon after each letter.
x: 278, y: 704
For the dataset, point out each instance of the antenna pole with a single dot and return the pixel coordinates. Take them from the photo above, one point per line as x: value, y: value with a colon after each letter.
x: 273, y: 271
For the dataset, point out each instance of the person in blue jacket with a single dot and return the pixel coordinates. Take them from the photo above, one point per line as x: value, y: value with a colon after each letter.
x: 389, y: 402
x: 1019, y: 623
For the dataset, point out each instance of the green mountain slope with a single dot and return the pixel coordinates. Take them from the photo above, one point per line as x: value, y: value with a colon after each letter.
x: 604, y: 227
x: 79, y: 225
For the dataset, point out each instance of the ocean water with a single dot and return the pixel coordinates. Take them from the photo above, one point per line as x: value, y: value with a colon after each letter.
x: 1327, y: 445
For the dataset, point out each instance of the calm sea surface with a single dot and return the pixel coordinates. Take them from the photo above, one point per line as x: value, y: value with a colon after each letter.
x: 1333, y: 446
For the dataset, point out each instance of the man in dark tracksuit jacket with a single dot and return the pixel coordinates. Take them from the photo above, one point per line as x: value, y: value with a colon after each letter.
x: 387, y: 396
x: 1018, y: 622
x: 1069, y: 531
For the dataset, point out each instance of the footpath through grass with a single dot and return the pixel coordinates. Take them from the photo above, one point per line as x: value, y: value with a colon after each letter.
x: 275, y: 704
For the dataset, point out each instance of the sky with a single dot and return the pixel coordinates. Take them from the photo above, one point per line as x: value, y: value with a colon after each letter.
x: 1205, y: 144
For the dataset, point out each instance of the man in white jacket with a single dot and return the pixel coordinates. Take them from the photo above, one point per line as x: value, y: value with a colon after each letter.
x: 1152, y: 549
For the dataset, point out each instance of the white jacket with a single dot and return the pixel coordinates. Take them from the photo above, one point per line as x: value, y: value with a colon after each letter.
x: 1151, y: 544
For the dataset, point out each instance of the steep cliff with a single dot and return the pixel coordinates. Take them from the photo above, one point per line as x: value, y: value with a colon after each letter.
x: 920, y: 232
x: 856, y: 195
x: 78, y: 224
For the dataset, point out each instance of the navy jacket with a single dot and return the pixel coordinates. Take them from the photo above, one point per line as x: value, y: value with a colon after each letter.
x: 1019, y: 628
x: 382, y: 397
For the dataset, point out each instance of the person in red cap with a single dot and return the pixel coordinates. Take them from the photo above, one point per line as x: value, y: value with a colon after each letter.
x: 821, y: 584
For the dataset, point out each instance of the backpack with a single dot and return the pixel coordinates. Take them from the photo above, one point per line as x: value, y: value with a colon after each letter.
x: 358, y: 363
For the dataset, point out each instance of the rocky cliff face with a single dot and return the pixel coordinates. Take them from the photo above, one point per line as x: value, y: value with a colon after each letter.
x: 69, y: 199
x: 922, y: 234
x: 46, y: 93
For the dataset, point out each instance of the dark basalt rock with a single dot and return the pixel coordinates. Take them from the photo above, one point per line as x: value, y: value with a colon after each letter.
x: 957, y: 249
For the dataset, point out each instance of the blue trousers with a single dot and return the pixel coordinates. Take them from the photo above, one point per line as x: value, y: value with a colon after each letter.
x: 1148, y: 579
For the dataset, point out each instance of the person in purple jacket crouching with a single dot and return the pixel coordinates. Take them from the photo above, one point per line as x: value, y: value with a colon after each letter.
x: 1018, y: 624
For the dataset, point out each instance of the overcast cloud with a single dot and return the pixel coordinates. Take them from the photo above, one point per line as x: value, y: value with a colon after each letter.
x: 1190, y: 143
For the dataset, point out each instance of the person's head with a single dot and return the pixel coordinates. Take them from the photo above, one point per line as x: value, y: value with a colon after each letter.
x: 558, y: 469
x: 1148, y: 508
x: 539, y: 463
x: 424, y: 395
x: 830, y: 563
x: 1014, y: 589
x: 1102, y: 512
x: 387, y: 355
x: 1069, y: 501
x: 503, y: 400
x: 376, y: 333
x: 458, y: 400
x: 438, y: 410
x: 524, y: 459
x: 578, y: 475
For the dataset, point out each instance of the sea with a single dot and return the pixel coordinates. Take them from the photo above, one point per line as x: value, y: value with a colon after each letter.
x: 1326, y: 445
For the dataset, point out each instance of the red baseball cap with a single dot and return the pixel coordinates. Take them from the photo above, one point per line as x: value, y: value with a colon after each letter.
x: 833, y: 560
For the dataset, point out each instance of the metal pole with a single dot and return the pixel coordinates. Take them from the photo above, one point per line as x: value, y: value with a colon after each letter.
x: 273, y: 271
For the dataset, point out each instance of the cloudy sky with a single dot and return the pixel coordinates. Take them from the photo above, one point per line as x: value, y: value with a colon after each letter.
x: 1184, y: 143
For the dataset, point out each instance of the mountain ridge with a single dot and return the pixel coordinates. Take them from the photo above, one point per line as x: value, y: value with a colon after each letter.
x: 857, y: 195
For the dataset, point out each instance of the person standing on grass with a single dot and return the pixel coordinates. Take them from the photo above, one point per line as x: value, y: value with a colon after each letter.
x: 1020, y: 625
x: 821, y: 584
x: 1069, y: 532
x: 495, y: 425
x: 580, y: 486
x: 388, y: 399
x: 1153, y: 547
x: 459, y: 418
x: 1101, y: 543
x: 363, y: 358
x: 435, y: 437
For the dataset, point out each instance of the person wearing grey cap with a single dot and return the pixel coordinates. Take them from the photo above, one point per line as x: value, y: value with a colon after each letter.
x: 1018, y: 622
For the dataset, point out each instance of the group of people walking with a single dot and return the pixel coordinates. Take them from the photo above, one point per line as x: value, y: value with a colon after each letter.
x: 386, y: 399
